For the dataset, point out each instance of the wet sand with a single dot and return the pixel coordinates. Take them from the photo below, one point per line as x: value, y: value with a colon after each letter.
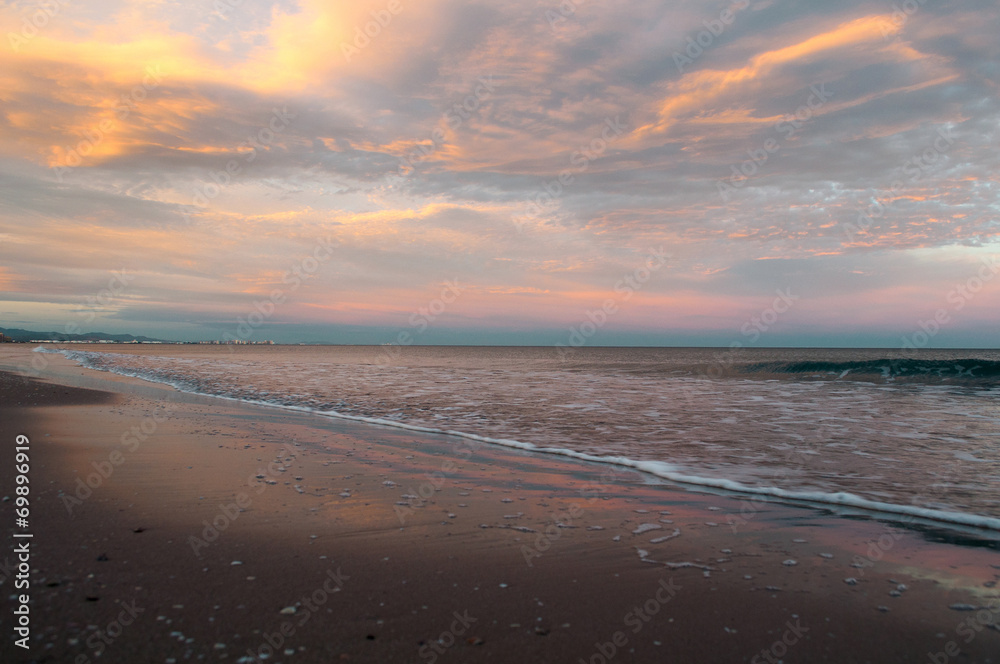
x: 223, y: 532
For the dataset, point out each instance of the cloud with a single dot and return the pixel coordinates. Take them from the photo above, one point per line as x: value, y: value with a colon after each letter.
x: 465, y: 139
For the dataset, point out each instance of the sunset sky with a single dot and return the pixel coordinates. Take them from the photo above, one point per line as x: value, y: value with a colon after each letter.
x: 170, y: 168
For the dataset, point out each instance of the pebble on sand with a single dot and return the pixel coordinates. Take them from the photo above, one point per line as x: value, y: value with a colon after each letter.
x: 962, y: 607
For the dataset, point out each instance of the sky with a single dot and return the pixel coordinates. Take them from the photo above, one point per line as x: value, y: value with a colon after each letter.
x: 757, y: 172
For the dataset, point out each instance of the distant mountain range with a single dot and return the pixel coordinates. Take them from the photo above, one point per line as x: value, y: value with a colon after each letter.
x: 28, y: 335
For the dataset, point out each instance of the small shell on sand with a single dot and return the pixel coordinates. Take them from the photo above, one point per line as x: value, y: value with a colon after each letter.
x: 851, y: 581
x: 646, y: 527
x: 790, y: 563
x: 658, y: 540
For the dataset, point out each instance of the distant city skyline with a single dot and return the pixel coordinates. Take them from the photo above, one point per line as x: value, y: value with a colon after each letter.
x: 758, y: 172
x: 381, y: 336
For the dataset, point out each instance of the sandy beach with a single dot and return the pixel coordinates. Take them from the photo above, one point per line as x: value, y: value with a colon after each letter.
x: 170, y: 527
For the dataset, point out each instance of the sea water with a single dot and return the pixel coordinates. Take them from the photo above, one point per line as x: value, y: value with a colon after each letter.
x: 873, y: 429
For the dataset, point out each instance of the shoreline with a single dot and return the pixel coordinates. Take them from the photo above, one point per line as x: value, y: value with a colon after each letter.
x: 838, y: 502
x: 414, y: 572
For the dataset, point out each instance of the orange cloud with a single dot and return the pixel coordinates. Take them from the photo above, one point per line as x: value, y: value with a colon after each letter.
x: 697, y: 90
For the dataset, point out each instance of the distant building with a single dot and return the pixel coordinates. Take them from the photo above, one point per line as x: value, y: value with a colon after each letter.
x: 4, y: 339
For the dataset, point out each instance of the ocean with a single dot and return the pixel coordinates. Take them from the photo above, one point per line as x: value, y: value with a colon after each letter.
x: 915, y: 435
